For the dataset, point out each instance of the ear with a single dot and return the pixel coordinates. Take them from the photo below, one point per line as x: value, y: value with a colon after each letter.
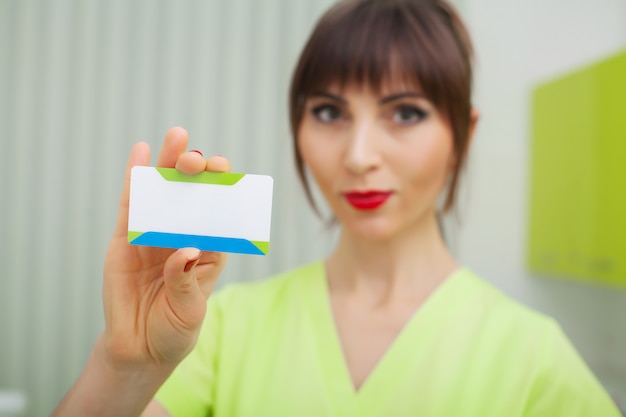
x: 474, y: 116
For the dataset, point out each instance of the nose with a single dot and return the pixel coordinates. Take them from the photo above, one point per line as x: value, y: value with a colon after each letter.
x: 362, y: 153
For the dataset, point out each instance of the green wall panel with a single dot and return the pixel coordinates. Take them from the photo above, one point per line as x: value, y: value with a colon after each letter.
x: 578, y: 175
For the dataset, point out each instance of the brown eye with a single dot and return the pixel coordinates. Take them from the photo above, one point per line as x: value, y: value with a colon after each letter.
x: 326, y: 113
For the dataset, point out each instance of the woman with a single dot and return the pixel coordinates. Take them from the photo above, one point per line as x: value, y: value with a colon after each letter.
x: 389, y: 324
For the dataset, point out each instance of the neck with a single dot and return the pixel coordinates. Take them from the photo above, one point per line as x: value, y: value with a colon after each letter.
x: 409, y: 265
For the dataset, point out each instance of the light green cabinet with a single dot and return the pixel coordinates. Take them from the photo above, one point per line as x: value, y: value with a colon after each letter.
x: 578, y: 175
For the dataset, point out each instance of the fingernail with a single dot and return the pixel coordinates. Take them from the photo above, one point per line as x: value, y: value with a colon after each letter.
x: 196, y: 151
x: 191, y: 264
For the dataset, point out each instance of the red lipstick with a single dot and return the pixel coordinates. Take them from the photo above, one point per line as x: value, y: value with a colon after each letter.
x: 367, y: 200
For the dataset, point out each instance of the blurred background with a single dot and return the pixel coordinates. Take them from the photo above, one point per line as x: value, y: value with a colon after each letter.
x: 82, y: 80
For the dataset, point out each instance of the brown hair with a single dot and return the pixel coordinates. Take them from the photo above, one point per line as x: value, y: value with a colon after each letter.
x: 369, y: 42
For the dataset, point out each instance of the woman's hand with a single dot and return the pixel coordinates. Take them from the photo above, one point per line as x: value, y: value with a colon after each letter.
x: 154, y: 304
x: 155, y: 298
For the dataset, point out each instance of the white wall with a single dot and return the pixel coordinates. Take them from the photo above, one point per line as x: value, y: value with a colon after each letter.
x: 519, y: 45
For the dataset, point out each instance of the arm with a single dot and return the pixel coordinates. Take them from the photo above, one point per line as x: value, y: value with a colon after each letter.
x: 154, y: 304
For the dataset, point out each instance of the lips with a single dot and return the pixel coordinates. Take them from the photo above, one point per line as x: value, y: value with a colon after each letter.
x: 367, y: 200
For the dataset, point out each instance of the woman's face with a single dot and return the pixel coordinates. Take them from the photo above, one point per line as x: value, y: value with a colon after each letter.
x: 380, y: 160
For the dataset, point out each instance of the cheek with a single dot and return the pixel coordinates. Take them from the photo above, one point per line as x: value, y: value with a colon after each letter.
x: 429, y: 164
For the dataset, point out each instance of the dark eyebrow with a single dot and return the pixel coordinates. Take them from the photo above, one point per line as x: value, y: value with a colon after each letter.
x: 383, y: 100
x: 329, y: 96
x: 399, y: 96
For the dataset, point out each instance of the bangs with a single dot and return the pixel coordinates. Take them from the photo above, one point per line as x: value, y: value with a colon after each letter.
x: 377, y: 47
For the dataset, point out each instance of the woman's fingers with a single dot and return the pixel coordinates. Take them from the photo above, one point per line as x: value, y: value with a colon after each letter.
x: 191, y: 163
x: 184, y: 294
x: 139, y: 155
x: 209, y: 269
x: 217, y: 163
x: 174, y: 145
x: 179, y: 271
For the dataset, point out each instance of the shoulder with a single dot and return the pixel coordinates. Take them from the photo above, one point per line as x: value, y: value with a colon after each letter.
x: 523, y: 330
x: 523, y: 349
x: 500, y: 321
x: 490, y: 300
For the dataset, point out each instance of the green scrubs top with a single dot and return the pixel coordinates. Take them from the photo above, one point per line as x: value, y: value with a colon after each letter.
x: 271, y: 349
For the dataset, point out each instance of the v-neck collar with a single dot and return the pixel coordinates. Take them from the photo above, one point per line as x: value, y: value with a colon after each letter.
x: 392, y: 363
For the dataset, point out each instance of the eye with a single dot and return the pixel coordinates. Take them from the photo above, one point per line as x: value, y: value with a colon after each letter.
x: 326, y: 113
x: 406, y: 115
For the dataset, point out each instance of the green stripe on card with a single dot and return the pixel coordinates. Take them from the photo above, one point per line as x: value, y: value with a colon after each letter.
x: 133, y: 235
x: 263, y: 246
x: 219, y: 178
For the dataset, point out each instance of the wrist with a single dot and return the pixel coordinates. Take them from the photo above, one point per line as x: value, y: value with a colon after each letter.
x: 109, y: 387
x: 128, y: 368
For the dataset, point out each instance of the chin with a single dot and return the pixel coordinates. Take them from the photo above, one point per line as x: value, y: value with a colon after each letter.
x: 370, y: 230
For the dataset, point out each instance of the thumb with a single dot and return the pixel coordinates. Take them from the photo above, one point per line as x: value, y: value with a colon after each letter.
x: 181, y: 286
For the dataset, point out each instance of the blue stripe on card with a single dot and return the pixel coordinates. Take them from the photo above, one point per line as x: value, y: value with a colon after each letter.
x: 205, y: 243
